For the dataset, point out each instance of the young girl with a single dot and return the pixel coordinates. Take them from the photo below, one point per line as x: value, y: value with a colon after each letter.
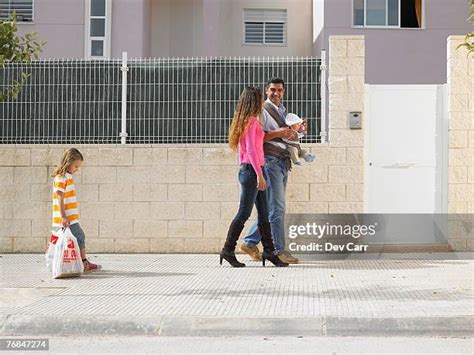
x: 246, y: 134
x: 65, y: 203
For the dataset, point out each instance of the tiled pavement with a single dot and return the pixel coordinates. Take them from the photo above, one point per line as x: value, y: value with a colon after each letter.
x: 196, y: 290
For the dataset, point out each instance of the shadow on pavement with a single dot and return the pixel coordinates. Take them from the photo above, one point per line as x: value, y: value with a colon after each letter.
x: 132, y: 274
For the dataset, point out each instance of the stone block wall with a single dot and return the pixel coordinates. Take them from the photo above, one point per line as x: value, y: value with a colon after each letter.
x: 155, y: 198
x: 347, y: 93
x: 461, y: 145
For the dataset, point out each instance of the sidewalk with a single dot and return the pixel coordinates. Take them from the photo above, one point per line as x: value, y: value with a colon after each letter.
x: 192, y: 295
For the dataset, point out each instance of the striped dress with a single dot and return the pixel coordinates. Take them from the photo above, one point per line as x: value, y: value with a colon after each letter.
x: 65, y: 184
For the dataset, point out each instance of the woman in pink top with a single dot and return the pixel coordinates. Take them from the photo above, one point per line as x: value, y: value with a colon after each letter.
x: 246, y: 134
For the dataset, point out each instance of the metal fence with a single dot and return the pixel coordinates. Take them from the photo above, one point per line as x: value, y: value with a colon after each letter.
x: 160, y: 100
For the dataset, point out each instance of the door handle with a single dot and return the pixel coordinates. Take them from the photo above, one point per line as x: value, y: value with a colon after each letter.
x: 398, y: 166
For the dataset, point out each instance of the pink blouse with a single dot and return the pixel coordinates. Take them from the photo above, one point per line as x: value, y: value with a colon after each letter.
x: 251, y: 145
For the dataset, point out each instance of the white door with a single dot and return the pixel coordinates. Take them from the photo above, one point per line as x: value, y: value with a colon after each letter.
x: 406, y: 158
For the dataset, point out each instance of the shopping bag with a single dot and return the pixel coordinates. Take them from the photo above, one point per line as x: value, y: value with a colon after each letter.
x: 49, y: 255
x: 67, y: 256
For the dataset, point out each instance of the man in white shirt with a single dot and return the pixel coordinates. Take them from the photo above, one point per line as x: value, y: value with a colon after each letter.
x: 276, y: 168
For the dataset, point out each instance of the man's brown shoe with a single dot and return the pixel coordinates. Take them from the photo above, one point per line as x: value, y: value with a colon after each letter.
x: 288, y: 258
x: 252, y: 251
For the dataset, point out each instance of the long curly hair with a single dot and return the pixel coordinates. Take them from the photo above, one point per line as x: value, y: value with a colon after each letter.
x: 69, y: 156
x: 250, y: 105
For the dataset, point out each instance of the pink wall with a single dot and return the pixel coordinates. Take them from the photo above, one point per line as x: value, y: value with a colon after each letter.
x: 401, y: 56
x: 61, y: 24
x: 130, y: 28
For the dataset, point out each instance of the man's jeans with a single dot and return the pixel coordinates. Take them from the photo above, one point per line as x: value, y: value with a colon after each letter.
x: 277, y: 177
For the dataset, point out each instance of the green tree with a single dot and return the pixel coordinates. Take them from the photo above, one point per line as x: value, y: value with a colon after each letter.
x: 469, y: 44
x: 14, y: 48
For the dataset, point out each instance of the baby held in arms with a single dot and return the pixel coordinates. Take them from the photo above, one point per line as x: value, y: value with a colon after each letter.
x: 295, y: 122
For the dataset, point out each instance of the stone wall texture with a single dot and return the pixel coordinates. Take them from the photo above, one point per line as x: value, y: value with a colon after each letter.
x: 163, y: 199
x: 461, y: 145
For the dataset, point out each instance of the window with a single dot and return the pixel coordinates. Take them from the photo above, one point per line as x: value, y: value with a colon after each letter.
x: 388, y: 13
x: 22, y: 8
x: 264, y: 26
x: 98, y: 22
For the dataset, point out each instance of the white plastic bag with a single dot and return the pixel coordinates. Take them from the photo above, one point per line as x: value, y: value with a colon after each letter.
x: 49, y: 255
x: 67, y: 256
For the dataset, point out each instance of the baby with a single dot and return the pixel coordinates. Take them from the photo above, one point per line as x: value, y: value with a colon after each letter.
x: 295, y: 122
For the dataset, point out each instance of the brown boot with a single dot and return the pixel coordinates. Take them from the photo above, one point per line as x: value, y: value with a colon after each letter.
x: 253, y: 252
x: 288, y: 258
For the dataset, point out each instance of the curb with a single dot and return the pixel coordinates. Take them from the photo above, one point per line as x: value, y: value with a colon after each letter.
x: 20, y: 325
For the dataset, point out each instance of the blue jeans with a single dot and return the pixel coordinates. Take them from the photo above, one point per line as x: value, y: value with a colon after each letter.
x: 277, y: 178
x: 250, y: 195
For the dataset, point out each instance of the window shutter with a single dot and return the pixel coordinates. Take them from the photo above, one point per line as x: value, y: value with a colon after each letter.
x: 254, y: 32
x: 274, y: 32
x: 265, y: 26
x: 23, y: 9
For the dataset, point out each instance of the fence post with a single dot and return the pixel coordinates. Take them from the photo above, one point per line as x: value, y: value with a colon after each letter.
x: 323, y: 69
x: 124, y: 69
